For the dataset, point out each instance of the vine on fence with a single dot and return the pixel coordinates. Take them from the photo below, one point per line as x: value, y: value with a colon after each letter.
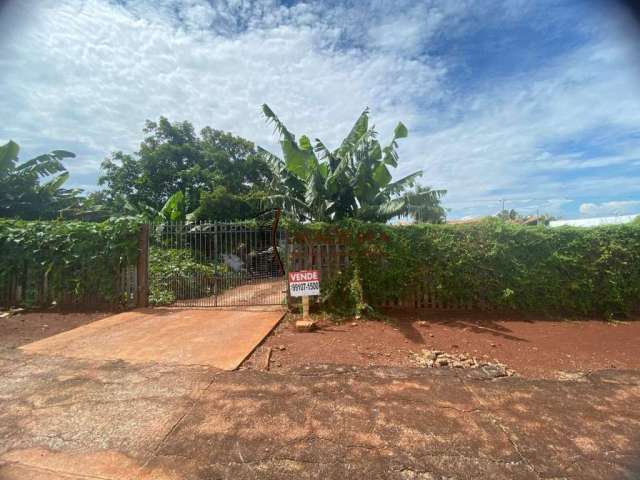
x: 58, y: 261
x: 568, y: 271
x: 565, y: 271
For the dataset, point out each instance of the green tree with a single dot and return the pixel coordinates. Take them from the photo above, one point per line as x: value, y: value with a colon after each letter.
x: 235, y: 162
x: 164, y: 165
x: 313, y: 182
x: 220, y: 204
x: 173, y: 158
x: 510, y: 215
x: 24, y: 194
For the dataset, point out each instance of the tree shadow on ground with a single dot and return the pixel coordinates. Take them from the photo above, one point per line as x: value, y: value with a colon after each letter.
x: 410, y: 332
x: 474, y: 322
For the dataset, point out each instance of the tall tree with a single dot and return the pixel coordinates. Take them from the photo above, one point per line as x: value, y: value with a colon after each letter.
x: 313, y: 182
x: 173, y: 158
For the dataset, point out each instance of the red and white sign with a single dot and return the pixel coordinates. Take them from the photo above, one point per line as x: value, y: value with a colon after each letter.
x: 304, y: 283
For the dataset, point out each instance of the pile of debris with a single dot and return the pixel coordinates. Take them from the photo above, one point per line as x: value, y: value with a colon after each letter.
x: 439, y: 359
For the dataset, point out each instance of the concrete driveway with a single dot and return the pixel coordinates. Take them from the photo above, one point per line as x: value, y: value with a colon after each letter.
x: 63, y: 418
x: 214, y: 337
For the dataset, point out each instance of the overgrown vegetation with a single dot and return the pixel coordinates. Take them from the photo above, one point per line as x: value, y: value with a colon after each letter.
x: 45, y: 262
x: 561, y: 271
x: 175, y: 275
x: 178, y: 174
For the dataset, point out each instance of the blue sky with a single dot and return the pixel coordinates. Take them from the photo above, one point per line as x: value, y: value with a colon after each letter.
x: 534, y: 102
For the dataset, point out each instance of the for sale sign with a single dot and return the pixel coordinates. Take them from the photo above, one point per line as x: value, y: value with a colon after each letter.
x: 304, y: 283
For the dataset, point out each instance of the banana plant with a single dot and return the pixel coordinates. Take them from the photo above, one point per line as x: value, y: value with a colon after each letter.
x: 174, y: 208
x: 23, y: 195
x: 315, y: 183
x: 423, y: 205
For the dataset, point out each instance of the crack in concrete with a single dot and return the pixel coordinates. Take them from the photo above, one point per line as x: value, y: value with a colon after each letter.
x: 504, y: 430
x: 187, y: 411
x: 336, y: 461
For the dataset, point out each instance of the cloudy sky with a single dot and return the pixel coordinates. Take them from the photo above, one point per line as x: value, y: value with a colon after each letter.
x: 535, y: 102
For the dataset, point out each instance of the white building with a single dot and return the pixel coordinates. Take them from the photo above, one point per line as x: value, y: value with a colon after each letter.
x: 595, y: 222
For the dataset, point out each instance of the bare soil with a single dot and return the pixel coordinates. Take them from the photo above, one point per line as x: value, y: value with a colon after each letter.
x: 534, y: 348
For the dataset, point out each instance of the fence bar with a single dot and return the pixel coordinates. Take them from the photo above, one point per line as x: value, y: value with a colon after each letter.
x: 143, y: 267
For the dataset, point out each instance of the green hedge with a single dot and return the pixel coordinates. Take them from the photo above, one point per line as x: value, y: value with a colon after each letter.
x: 65, y: 262
x: 566, y: 271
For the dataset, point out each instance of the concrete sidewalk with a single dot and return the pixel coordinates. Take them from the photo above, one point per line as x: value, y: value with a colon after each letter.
x: 78, y: 419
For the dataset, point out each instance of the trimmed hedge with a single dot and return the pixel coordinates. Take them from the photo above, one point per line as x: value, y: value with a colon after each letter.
x: 64, y: 261
x: 566, y: 271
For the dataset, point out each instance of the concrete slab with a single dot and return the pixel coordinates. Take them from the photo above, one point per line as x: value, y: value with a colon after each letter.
x: 75, y: 419
x: 216, y: 338
x: 72, y: 418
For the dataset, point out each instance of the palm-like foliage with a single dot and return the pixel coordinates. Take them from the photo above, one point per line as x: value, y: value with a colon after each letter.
x: 423, y: 205
x: 23, y: 195
x: 285, y: 190
x: 316, y: 183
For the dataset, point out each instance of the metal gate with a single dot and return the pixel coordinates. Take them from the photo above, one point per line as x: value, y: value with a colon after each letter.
x: 220, y: 264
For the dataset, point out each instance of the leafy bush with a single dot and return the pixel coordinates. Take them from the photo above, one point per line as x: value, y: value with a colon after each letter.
x: 65, y: 262
x: 221, y: 205
x: 568, y: 270
x: 175, y: 275
x: 343, y: 295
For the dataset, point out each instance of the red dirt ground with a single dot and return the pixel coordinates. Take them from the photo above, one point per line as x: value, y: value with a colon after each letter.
x: 24, y: 328
x: 533, y: 348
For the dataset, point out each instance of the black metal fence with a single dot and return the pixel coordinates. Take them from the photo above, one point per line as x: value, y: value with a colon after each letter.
x: 220, y: 264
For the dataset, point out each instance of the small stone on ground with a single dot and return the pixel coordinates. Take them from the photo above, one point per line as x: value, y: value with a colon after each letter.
x: 305, y: 325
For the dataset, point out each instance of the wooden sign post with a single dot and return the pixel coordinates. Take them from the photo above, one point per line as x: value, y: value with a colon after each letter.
x: 304, y: 284
x: 305, y: 308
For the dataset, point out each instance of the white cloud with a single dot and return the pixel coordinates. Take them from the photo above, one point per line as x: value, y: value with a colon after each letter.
x: 499, y: 146
x: 101, y: 69
x: 609, y: 208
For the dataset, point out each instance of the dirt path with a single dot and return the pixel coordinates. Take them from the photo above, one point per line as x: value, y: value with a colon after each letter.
x: 78, y: 419
x: 533, y: 348
x: 258, y: 292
